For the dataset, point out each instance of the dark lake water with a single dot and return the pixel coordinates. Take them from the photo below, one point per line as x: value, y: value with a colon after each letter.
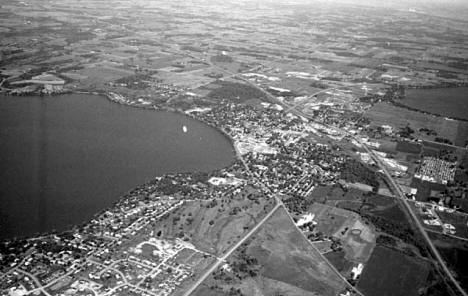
x: 450, y: 102
x: 65, y: 158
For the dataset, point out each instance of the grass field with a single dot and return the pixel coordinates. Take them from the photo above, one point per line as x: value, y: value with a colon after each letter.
x: 393, y: 213
x: 291, y: 259
x: 357, y: 238
x: 455, y: 253
x: 338, y: 259
x: 391, y: 273
x: 408, y: 147
x: 451, y: 102
x: 384, y: 113
x: 462, y: 135
x: 424, y: 188
x: 213, y: 226
x: 239, y: 92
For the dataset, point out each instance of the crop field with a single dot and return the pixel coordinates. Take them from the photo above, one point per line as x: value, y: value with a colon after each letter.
x: 451, y: 102
x: 462, y: 134
x: 323, y: 246
x: 190, y: 79
x: 300, y: 86
x: 424, y: 188
x: 392, y: 213
x: 455, y: 253
x: 338, y: 259
x: 379, y: 201
x: 335, y: 193
x: 391, y: 273
x: 408, y: 147
x: 384, y: 113
x: 236, y: 91
x: 100, y: 74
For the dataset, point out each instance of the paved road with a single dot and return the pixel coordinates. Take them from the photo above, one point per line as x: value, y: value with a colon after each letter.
x: 392, y: 181
x: 222, y: 259
x: 323, y: 257
x: 36, y: 281
x: 314, y: 94
x: 404, y: 201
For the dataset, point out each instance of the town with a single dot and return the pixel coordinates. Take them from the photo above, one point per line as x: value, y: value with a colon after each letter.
x: 328, y: 155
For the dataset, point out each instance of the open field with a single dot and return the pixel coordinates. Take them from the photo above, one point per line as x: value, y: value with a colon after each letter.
x: 357, y: 238
x: 391, y: 273
x: 239, y: 92
x: 408, y: 147
x: 384, y: 113
x: 213, y: 226
x: 455, y: 253
x: 424, y: 188
x: 450, y: 102
x: 338, y: 259
x: 277, y: 261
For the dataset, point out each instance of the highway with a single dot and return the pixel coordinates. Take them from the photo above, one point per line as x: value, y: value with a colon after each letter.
x: 404, y: 201
x: 222, y: 259
x: 314, y: 94
x: 401, y: 196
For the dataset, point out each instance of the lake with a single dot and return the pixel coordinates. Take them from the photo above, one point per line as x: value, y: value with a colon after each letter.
x: 448, y: 102
x: 66, y: 158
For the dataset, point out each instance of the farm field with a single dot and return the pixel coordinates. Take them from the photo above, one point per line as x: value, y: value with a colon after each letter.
x: 391, y: 273
x: 384, y: 113
x: 450, y: 102
x: 455, y: 253
x: 408, y: 147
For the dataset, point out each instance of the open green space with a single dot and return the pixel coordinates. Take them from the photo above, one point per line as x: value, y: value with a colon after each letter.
x: 391, y: 273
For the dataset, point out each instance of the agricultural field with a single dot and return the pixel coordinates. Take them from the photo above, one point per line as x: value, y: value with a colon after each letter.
x: 186, y: 79
x: 408, y: 147
x: 278, y: 260
x: 391, y: 273
x: 339, y: 261
x: 455, y: 254
x: 450, y: 102
x: 351, y: 198
x: 425, y: 188
x: 236, y: 91
x: 97, y: 75
x: 384, y: 113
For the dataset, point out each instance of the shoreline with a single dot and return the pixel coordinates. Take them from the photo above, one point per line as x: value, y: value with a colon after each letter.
x: 125, y: 195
